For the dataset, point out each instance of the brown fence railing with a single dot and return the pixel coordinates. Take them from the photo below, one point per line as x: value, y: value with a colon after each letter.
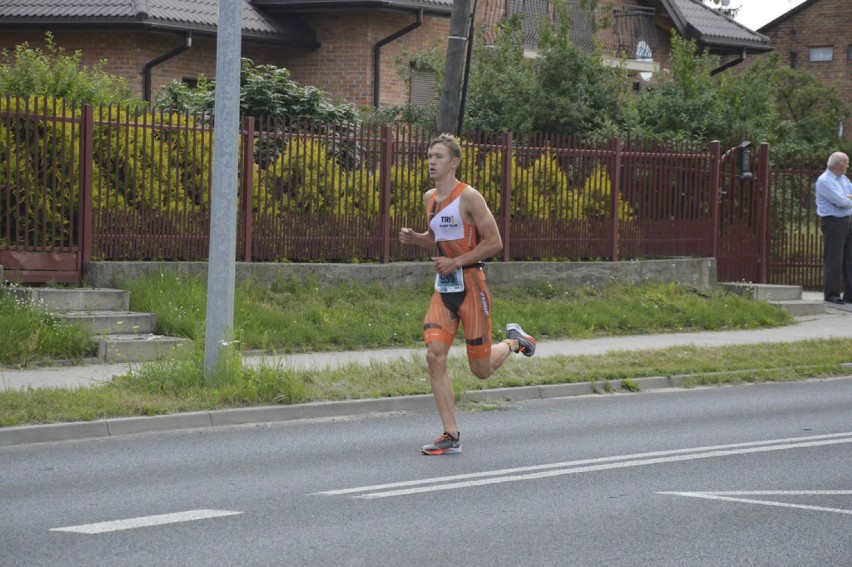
x: 106, y: 183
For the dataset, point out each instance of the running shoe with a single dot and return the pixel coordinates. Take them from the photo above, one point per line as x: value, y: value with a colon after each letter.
x: 443, y: 445
x: 526, y: 344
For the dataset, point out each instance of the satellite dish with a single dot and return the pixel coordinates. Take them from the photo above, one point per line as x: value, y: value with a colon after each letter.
x: 643, y: 53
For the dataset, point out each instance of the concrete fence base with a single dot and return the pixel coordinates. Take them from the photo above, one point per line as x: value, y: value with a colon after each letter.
x: 696, y: 272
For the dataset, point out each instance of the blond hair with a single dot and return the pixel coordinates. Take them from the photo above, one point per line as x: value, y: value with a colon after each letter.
x: 450, y: 141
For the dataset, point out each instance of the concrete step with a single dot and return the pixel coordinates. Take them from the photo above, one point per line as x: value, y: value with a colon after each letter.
x: 112, y: 322
x: 764, y: 292
x: 59, y: 300
x: 138, y: 347
x: 800, y: 307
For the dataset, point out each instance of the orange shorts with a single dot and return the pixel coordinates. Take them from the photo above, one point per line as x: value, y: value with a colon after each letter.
x: 471, y: 307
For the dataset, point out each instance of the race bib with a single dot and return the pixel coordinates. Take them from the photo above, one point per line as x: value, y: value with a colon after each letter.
x: 451, y: 283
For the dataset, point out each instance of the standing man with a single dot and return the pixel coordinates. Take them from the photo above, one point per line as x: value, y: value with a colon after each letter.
x: 461, y: 226
x: 834, y: 207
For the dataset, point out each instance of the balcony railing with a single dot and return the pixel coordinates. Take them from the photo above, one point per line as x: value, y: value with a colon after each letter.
x: 618, y: 31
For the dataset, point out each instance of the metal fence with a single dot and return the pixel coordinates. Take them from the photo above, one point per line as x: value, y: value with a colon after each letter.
x: 106, y: 183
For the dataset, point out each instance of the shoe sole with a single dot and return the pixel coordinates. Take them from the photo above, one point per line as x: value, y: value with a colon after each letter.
x: 514, y: 331
x: 451, y: 451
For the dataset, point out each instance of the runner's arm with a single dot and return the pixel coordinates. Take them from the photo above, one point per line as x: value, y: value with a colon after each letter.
x: 422, y: 239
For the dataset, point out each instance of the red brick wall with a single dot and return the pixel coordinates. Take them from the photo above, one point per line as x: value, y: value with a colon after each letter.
x: 127, y: 53
x: 342, y: 66
x: 822, y: 24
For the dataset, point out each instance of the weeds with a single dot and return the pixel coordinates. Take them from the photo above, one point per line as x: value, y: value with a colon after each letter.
x: 29, y: 334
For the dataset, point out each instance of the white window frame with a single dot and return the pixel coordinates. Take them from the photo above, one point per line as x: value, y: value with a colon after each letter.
x: 821, y: 54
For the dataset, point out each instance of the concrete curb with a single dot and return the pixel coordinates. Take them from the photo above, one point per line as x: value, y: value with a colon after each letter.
x: 27, y: 434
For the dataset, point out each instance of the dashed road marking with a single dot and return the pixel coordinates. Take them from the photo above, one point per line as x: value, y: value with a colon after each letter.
x: 146, y: 521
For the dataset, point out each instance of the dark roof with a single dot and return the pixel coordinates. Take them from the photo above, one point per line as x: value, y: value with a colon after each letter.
x: 440, y: 7
x: 277, y: 20
x: 712, y: 29
x: 197, y: 16
x: 787, y: 15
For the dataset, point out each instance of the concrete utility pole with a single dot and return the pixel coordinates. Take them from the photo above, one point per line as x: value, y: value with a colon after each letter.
x: 448, y: 111
x: 221, y: 260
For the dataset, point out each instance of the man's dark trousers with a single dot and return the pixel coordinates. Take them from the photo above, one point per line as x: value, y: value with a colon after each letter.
x: 837, y: 256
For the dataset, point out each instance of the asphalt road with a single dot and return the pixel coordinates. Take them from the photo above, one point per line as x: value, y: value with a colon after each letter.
x: 744, y: 475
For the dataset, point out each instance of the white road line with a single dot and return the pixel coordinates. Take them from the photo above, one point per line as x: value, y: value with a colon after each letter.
x: 588, y: 465
x: 728, y: 497
x: 146, y: 521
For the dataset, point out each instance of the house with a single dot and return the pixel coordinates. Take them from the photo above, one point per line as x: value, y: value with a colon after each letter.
x: 816, y: 36
x: 348, y: 48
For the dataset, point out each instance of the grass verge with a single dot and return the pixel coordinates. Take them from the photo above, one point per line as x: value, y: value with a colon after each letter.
x: 176, y: 385
x: 293, y: 317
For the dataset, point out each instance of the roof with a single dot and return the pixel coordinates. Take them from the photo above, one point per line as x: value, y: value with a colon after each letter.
x: 439, y: 7
x: 277, y: 20
x: 712, y: 29
x: 197, y: 16
x: 787, y: 15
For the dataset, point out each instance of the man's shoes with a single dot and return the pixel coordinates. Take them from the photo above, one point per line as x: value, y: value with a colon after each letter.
x: 836, y: 300
x: 446, y: 444
x: 526, y: 344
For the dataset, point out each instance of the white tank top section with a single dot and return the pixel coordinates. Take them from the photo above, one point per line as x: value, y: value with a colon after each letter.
x: 447, y: 224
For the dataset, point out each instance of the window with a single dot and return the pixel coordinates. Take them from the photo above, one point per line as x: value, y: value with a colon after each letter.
x: 422, y: 86
x: 191, y: 82
x: 849, y: 53
x: 794, y: 59
x: 820, y: 54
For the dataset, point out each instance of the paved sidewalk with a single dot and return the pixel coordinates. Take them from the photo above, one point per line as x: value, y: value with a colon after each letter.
x: 836, y: 322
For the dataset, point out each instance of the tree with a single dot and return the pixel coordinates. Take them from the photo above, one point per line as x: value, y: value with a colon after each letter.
x: 684, y: 105
x: 563, y: 90
x: 502, y: 83
x: 579, y: 94
x: 809, y: 112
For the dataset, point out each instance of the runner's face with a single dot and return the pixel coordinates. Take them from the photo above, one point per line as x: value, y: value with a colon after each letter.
x: 441, y: 163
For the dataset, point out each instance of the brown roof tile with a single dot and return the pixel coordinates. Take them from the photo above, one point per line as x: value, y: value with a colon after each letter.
x: 188, y: 15
x: 713, y: 29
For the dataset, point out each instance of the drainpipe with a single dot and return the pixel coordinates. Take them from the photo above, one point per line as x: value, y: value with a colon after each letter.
x: 378, y: 48
x: 729, y: 64
x: 156, y: 61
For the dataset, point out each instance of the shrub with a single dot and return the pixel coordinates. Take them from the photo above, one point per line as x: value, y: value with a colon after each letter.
x: 28, y: 71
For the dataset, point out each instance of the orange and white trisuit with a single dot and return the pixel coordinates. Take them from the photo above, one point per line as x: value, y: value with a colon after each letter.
x: 472, y: 306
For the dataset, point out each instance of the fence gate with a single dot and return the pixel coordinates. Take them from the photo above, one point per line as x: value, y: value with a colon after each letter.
x: 42, y: 210
x: 743, y: 210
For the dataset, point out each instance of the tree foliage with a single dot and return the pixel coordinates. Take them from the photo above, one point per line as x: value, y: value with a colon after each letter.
x: 265, y: 91
x: 766, y: 100
x: 563, y: 90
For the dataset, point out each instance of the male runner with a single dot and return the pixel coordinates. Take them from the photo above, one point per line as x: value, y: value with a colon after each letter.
x: 465, y: 233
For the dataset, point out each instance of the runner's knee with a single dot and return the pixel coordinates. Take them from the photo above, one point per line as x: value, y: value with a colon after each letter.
x: 436, y: 355
x: 481, y: 368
